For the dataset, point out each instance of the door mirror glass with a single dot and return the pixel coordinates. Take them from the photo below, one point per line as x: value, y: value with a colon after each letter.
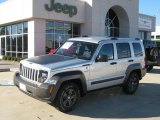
x: 102, y: 58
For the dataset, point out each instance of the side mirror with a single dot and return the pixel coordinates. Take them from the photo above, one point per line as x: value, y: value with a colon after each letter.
x: 102, y: 58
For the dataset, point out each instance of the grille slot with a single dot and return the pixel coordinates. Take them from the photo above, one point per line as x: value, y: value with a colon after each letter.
x: 29, y: 73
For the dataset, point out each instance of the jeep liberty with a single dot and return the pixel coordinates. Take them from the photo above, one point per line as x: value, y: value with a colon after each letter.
x: 81, y: 65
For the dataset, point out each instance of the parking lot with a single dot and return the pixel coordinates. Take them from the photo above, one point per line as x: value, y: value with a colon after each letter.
x: 105, y: 104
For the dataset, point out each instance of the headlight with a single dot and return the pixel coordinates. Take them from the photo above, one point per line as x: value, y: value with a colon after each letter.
x: 43, y: 75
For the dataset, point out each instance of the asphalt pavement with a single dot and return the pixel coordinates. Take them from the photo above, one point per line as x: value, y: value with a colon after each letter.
x: 108, y: 104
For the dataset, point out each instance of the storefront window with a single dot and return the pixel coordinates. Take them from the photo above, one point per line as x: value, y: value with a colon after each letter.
x: 3, y: 46
x: 14, y: 29
x: 19, y: 43
x: 143, y: 35
x: 67, y: 28
x: 13, y: 43
x: 49, y: 42
x: 25, y: 43
x: 2, y: 30
x: 8, y: 30
x: 76, y: 30
x: 8, y: 54
x: 15, y: 40
x: 59, y: 27
x: 8, y: 43
x: 157, y: 37
x: 19, y: 28
x: 58, y: 32
x: 19, y: 55
x: 13, y: 54
x: 25, y: 55
x: 59, y: 39
x: 49, y: 27
x: 25, y: 27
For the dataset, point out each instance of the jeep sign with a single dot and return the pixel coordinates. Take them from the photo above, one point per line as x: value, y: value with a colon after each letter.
x: 58, y: 7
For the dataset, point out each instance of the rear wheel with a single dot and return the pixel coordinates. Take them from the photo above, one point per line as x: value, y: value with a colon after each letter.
x: 131, y: 86
x: 67, y: 97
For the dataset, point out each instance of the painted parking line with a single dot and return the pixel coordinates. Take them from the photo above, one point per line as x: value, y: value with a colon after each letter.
x: 6, y: 83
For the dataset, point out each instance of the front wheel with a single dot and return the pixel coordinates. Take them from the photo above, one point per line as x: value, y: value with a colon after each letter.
x: 131, y: 86
x: 67, y: 97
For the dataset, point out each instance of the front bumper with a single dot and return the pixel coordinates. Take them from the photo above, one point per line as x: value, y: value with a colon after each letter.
x: 43, y: 92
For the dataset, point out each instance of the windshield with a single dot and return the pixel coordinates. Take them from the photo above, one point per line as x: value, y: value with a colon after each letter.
x: 78, y: 49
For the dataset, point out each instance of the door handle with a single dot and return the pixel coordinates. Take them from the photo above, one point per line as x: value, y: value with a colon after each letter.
x: 113, y: 63
x: 130, y: 60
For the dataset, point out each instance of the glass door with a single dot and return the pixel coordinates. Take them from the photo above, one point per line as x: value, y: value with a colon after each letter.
x: 2, y: 46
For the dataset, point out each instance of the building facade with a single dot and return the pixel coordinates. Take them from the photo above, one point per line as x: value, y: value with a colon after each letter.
x: 146, y: 25
x: 32, y: 27
x: 156, y: 34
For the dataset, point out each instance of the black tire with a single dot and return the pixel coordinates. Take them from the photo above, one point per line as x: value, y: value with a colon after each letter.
x: 131, y: 86
x: 67, y: 97
x: 158, y: 61
x: 149, y: 67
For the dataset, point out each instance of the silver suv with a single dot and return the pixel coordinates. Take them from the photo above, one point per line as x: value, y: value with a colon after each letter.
x: 81, y: 65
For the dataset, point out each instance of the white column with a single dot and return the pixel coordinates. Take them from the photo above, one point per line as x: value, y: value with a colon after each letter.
x: 36, y: 37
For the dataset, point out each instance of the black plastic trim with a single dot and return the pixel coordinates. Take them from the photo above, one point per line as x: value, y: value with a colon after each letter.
x: 107, y: 80
x: 67, y: 76
x: 41, y: 92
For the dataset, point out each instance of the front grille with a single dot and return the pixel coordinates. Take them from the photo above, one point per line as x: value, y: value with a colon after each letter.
x: 29, y: 73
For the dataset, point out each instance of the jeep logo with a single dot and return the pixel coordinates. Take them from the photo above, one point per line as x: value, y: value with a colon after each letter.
x: 58, y: 7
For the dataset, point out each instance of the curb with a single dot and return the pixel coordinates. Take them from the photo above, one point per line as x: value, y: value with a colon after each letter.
x: 4, y: 69
x: 6, y: 83
x: 9, y: 69
x: 14, y: 69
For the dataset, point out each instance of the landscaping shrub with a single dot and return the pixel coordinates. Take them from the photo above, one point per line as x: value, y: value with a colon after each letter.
x: 9, y: 58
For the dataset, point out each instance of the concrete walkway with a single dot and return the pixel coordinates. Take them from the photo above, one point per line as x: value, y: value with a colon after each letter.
x: 6, y: 66
x: 7, y: 71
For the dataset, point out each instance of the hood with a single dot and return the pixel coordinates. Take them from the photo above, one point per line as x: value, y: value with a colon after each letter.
x: 49, y: 59
x: 57, y: 61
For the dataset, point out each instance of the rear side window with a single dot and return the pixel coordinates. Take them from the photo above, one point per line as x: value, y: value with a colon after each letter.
x: 123, y: 50
x: 137, y: 49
